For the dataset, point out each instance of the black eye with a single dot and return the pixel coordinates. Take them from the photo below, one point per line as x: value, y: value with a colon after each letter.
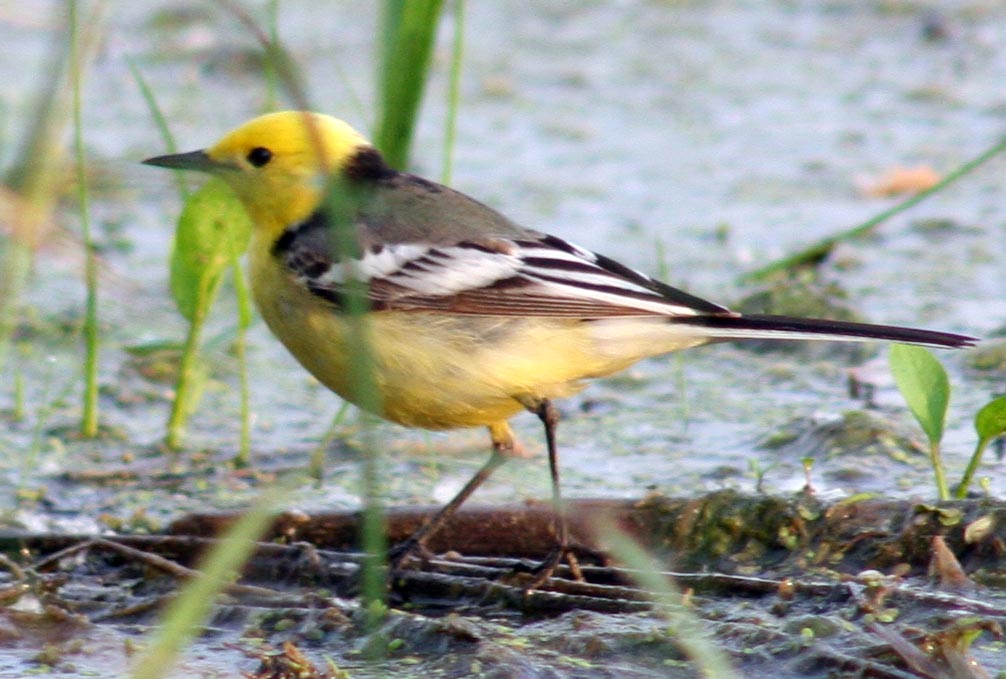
x: 259, y: 156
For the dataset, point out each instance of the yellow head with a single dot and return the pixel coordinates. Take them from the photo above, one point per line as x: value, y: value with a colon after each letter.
x: 278, y: 164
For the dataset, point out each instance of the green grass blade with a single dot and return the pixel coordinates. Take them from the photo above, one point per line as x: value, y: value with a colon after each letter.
x: 316, y: 467
x: 409, y: 32
x: 342, y: 205
x: 245, y: 316
x: 188, y: 386
x: 454, y: 91
x: 89, y: 418
x: 270, y: 69
x: 32, y: 180
x: 16, y: 256
x: 41, y: 152
x: 18, y: 410
x: 160, y: 122
x: 187, y: 611
x: 819, y: 250
x: 279, y: 61
x: 710, y: 661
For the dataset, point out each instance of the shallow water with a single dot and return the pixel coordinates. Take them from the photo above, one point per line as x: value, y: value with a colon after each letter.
x: 701, y: 139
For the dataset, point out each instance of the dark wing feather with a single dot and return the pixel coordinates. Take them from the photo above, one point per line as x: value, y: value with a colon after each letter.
x: 530, y: 276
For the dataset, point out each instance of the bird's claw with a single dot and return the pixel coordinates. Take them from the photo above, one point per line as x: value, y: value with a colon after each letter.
x: 546, y: 569
x: 403, y: 552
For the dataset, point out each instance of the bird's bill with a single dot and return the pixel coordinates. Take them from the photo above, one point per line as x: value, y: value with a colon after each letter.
x: 193, y: 160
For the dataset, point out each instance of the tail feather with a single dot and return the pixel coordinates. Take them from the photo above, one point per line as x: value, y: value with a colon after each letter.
x: 761, y: 326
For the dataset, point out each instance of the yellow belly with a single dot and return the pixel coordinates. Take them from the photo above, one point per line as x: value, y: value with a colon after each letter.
x: 429, y: 370
x: 439, y: 371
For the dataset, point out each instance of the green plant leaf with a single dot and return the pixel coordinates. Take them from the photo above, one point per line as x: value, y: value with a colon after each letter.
x: 990, y: 422
x: 924, y: 385
x: 212, y: 231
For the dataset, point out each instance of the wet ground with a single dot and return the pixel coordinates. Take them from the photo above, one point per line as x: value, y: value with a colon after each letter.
x: 693, y: 140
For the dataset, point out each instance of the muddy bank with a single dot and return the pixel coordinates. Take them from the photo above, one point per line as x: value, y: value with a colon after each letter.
x: 878, y: 588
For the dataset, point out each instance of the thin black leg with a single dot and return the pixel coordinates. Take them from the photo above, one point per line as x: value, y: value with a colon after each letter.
x: 417, y: 541
x: 549, y: 417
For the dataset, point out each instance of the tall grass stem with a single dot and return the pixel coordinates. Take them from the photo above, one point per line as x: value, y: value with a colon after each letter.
x: 936, y: 457
x: 243, y: 295
x: 820, y: 249
x: 32, y: 182
x: 342, y: 203
x: 454, y: 91
x: 270, y: 69
x: 690, y: 632
x: 185, y: 392
x: 186, y: 612
x: 18, y: 411
x: 161, y: 123
x: 316, y: 467
x: 89, y: 419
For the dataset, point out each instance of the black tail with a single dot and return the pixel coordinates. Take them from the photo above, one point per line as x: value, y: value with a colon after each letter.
x: 761, y: 326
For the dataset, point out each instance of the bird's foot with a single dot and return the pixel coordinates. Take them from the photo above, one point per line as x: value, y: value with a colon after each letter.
x: 546, y: 569
x: 540, y: 574
x: 405, y: 552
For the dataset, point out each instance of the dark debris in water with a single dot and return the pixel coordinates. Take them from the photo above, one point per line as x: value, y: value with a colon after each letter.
x: 288, y: 662
x: 787, y: 585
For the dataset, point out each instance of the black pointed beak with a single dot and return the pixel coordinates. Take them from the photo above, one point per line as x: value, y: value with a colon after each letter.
x: 193, y: 160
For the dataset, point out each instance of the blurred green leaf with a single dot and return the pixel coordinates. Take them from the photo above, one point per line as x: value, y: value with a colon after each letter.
x: 409, y: 29
x: 924, y: 385
x: 990, y: 422
x: 185, y: 615
x: 213, y: 230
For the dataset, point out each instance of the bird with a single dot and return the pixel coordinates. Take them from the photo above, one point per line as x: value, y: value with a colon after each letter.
x: 466, y: 317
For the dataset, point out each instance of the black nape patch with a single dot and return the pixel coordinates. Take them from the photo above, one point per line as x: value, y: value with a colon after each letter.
x: 368, y: 164
x: 318, y: 221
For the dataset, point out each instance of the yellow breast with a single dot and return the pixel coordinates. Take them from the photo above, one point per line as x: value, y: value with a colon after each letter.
x: 430, y: 370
